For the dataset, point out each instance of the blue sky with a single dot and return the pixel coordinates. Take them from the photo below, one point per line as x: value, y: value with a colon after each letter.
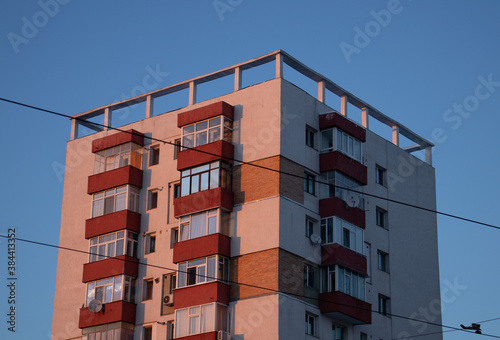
x: 420, y: 62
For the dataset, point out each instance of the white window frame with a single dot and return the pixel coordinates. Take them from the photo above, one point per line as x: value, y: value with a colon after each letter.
x: 342, y: 142
x: 200, y: 319
x: 123, y: 284
x: 383, y: 305
x: 205, y: 177
x: 337, y: 181
x: 310, y: 222
x: 308, y: 186
x: 311, y: 137
x: 333, y: 229
x: 117, y: 157
x: 121, y: 198
x: 382, y: 261
x: 381, y: 217
x: 338, y: 332
x: 119, y: 243
x: 210, y: 225
x: 150, y: 243
x: 154, y: 155
x: 380, y: 175
x: 343, y: 280
x: 207, y: 131
x: 203, y: 270
x: 309, y: 276
x: 153, y: 199
x: 147, y: 294
x: 311, y: 324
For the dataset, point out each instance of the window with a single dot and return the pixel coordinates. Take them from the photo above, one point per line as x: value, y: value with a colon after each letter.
x: 154, y: 155
x: 338, y: 333
x: 117, y: 333
x: 203, y: 270
x: 311, y: 321
x: 338, y: 140
x: 147, y: 289
x: 177, y: 190
x: 112, y: 289
x: 337, y: 278
x: 381, y: 217
x: 110, y: 201
x: 174, y: 237
x: 152, y: 199
x: 340, y: 185
x: 148, y: 332
x: 309, y: 276
x: 383, y: 261
x: 380, y: 175
x: 205, y: 177
x: 336, y: 230
x: 309, y: 226
x: 368, y: 249
x: 383, y: 304
x: 114, y: 244
x: 207, y: 131
x: 309, y: 183
x: 310, y: 137
x: 363, y: 336
x: 200, y: 319
x: 117, y: 157
x: 169, y: 283
x: 177, y: 147
x: 150, y: 245
x: 198, y: 225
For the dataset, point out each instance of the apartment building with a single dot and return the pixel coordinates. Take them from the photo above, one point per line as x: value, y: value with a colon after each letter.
x: 258, y: 214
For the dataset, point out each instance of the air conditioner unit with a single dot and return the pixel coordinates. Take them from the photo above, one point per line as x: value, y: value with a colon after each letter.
x: 168, y: 300
x: 221, y: 335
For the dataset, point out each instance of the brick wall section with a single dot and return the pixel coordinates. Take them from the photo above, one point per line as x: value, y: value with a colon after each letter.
x: 291, y: 273
x: 291, y: 186
x: 259, y: 269
x: 252, y: 183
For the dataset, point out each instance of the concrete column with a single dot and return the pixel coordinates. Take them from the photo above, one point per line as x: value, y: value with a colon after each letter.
x: 74, y: 129
x: 395, y: 135
x: 107, y: 118
x: 279, y: 65
x: 149, y: 106
x: 343, y: 106
x: 237, y: 79
x: 192, y: 93
x: 428, y: 154
x: 321, y: 91
x: 364, y: 117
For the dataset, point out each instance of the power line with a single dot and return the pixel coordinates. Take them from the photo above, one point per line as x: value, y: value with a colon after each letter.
x: 257, y: 166
x: 252, y: 286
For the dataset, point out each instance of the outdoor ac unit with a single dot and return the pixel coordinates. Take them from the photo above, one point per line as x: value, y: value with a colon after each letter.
x: 221, y: 335
x: 168, y: 300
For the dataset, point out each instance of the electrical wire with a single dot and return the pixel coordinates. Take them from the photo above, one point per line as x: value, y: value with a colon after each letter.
x: 258, y: 166
x: 252, y: 286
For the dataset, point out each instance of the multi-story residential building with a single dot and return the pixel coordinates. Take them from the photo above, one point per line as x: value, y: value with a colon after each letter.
x: 262, y: 213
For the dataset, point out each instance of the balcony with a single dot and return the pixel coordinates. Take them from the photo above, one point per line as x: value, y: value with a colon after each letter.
x: 117, y: 139
x: 204, y: 200
x: 119, y: 265
x: 336, y: 254
x: 345, y: 308
x: 202, y: 247
x: 205, y: 112
x: 336, y: 160
x: 111, y: 312
x: 334, y: 119
x: 105, y: 224
x: 207, y: 153
x: 201, y: 293
x: 115, y: 178
x: 335, y: 206
x: 202, y: 336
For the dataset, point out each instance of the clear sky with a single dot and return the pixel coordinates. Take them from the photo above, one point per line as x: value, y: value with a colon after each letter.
x: 431, y: 65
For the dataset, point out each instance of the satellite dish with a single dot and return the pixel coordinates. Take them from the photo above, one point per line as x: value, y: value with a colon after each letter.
x: 315, y: 239
x: 352, y: 200
x: 95, y: 306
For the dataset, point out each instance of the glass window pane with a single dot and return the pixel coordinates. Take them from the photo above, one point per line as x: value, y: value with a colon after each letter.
x: 97, y: 208
x: 117, y: 291
x: 201, y: 275
x: 121, y: 189
x: 188, y: 129
x: 185, y: 186
x: 184, y: 234
x: 202, y: 125
x: 201, y: 138
x: 208, y: 318
x: 121, y: 202
x: 90, y: 292
x: 211, y: 274
x: 109, y: 205
x: 214, y: 122
x: 188, y: 141
x: 199, y: 169
x: 119, y: 247
x: 212, y: 225
x: 198, y: 225
x: 181, y: 275
x: 108, y: 295
x: 214, y: 134
x: 195, y: 183
x: 194, y: 324
x: 330, y: 230
x: 111, y: 249
x: 204, y: 181
x: 214, y: 178
x: 327, y: 139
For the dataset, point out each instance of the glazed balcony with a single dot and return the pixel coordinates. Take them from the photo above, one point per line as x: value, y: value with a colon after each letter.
x: 202, y: 247
x: 345, y: 308
x: 119, y: 265
x: 115, y: 178
x: 334, y: 253
x: 118, y: 311
x: 105, y: 224
x: 335, y: 206
x: 207, y: 153
x: 200, y: 294
x: 204, y: 200
x: 336, y: 160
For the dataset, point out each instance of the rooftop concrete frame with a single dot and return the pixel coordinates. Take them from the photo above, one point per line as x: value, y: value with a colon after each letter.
x: 279, y: 57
